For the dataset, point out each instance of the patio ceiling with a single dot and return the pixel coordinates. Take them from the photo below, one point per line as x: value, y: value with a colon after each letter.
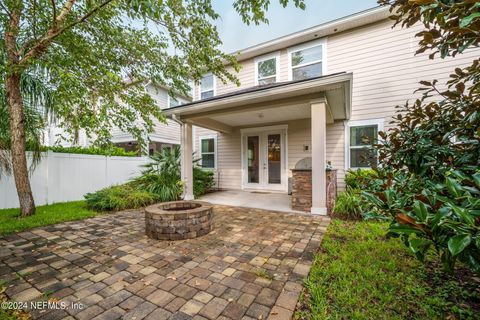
x: 269, y: 104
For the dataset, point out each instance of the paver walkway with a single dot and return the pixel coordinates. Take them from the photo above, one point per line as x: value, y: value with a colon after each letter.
x: 250, y: 266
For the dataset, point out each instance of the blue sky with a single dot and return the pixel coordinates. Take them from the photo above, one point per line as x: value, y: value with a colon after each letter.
x: 236, y: 35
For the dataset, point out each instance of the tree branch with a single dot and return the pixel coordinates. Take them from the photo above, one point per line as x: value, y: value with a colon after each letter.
x: 57, y: 29
x: 11, y: 36
x: 6, y: 10
x: 54, y: 10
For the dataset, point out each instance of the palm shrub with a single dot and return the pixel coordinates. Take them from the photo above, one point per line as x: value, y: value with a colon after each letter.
x: 430, y: 161
x: 161, y: 175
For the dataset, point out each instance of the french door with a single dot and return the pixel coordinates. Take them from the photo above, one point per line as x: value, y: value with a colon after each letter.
x: 264, y: 160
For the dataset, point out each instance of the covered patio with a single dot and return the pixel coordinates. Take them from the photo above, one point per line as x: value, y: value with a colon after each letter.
x: 251, y: 199
x: 262, y: 132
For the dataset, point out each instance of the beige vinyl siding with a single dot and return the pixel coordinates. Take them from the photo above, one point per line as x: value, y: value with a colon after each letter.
x: 168, y: 132
x: 298, y: 135
x: 228, y: 171
x: 386, y: 72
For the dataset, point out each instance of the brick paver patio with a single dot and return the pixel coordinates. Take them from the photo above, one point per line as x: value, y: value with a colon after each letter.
x: 250, y: 267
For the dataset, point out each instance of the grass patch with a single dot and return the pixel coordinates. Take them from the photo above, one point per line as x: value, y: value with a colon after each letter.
x: 45, y: 215
x: 359, y: 274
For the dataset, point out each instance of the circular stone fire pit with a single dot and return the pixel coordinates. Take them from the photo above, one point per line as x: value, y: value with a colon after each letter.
x: 178, y: 220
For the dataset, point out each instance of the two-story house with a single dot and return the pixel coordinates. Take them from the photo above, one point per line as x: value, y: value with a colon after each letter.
x: 324, y: 92
x: 164, y: 134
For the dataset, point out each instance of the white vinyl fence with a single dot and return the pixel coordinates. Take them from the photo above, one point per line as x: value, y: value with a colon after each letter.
x: 61, y: 177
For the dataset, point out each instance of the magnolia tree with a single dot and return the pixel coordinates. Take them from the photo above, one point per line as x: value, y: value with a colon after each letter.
x: 93, y: 57
x: 429, y: 178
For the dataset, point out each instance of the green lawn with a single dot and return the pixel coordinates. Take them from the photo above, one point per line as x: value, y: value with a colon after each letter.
x: 45, y: 215
x: 358, y: 274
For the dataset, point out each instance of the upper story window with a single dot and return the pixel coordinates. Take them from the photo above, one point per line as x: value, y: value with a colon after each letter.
x: 207, y: 86
x: 361, y: 136
x: 173, y: 102
x: 307, y: 61
x: 266, y: 69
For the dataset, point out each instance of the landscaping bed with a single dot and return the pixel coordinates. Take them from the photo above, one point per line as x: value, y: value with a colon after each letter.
x: 359, y: 274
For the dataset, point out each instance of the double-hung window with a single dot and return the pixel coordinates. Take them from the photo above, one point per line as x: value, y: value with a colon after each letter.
x: 207, y: 86
x: 208, y: 146
x: 266, y: 69
x: 361, y: 136
x: 307, y: 61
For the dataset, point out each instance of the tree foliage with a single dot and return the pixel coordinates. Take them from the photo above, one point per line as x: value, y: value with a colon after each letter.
x: 451, y: 26
x: 430, y: 160
x: 98, y: 55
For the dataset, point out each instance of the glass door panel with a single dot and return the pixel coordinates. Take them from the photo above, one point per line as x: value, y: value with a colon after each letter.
x: 274, y: 158
x: 253, y: 158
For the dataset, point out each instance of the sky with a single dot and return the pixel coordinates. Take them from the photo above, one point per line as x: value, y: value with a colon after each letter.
x: 236, y: 35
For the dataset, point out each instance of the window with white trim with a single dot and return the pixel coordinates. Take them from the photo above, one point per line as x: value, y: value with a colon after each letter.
x: 306, y: 62
x: 361, y: 136
x: 266, y: 69
x: 207, y: 86
x: 173, y: 102
x: 208, y: 145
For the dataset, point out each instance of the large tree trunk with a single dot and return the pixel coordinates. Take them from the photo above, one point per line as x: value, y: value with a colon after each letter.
x: 19, y: 158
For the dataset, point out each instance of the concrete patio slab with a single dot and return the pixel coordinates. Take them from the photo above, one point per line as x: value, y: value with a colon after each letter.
x: 270, y: 201
x: 250, y: 266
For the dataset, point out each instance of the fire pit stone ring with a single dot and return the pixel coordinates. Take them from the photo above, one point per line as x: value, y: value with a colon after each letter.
x: 178, y: 220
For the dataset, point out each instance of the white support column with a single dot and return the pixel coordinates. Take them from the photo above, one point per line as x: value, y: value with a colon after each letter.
x: 319, y: 133
x: 187, y: 164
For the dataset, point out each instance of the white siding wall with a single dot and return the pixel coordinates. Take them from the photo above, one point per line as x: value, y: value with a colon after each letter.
x: 385, y: 70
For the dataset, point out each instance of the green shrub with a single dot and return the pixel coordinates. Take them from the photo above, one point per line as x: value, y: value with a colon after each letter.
x: 161, y: 176
x: 360, y: 178
x: 159, y: 182
x: 202, y: 181
x: 429, y: 159
x: 109, y: 151
x: 119, y: 198
x: 348, y: 204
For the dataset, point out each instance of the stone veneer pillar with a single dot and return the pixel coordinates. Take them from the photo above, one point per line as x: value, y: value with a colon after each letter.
x: 302, y: 189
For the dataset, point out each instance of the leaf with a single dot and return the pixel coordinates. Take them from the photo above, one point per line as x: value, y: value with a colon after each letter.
x: 468, y: 20
x: 458, y: 243
x: 476, y: 179
x: 453, y: 187
x: 420, y: 210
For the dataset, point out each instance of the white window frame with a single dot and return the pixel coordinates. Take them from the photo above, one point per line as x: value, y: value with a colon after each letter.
x: 169, y: 99
x: 274, y: 55
x: 308, y: 45
x: 359, y: 123
x: 207, y: 137
x: 214, y: 86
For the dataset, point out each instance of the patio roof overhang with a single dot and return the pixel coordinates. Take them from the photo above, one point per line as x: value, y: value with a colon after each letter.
x: 274, y: 103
